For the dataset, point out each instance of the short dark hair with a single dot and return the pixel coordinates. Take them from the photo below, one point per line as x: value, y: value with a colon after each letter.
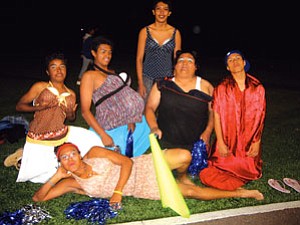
x: 192, y: 52
x: 100, y: 40
x: 164, y: 1
x: 55, y: 55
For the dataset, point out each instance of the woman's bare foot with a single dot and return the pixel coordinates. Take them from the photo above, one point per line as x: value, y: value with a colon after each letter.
x: 250, y: 194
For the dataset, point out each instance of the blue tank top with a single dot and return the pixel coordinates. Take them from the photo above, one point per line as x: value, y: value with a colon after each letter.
x: 158, y: 62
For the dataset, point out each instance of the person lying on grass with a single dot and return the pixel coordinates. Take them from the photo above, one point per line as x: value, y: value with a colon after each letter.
x: 103, y: 173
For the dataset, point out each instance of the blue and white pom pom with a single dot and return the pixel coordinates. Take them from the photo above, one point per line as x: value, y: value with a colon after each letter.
x: 29, y: 214
x: 199, y: 158
x: 96, y: 211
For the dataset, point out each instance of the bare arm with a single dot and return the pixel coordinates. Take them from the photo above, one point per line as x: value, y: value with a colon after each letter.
x: 59, y: 184
x: 124, y: 162
x: 177, y: 42
x: 205, y: 136
x: 150, y: 109
x: 25, y: 102
x: 139, y: 60
x: 71, y: 110
x: 86, y: 93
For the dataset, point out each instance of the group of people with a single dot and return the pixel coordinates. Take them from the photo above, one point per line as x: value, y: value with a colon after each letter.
x: 172, y: 101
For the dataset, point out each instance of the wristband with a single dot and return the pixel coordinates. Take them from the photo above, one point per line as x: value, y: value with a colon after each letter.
x: 52, y: 185
x: 118, y: 192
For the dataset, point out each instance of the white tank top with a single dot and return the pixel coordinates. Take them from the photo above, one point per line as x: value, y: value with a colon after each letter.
x: 198, y: 83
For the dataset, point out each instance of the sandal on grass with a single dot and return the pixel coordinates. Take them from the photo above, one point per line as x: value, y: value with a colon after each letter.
x: 292, y: 183
x: 13, y: 159
x: 276, y: 184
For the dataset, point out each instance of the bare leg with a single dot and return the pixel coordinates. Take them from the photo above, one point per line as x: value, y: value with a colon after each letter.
x: 179, y: 160
x: 207, y: 193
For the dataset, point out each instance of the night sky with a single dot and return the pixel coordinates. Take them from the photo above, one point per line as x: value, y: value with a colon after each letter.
x: 262, y: 30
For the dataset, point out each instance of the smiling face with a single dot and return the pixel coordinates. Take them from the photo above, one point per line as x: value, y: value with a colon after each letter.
x: 161, y: 12
x: 103, y: 55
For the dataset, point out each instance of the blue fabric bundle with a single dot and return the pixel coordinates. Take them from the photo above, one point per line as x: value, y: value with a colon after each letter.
x: 95, y: 211
x: 129, y: 145
x: 29, y: 214
x: 199, y: 158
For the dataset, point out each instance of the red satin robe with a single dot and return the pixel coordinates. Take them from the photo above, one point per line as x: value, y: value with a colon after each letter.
x: 242, y: 115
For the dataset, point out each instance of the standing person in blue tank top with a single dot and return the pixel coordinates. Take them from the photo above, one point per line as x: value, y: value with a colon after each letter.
x: 157, y: 45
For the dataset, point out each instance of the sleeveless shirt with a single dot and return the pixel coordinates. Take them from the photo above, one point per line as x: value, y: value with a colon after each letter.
x: 48, y: 124
x: 158, y: 62
x: 142, y: 182
x: 125, y: 106
x: 182, y: 116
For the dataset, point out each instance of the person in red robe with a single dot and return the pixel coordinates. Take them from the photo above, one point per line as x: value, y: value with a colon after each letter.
x: 239, y: 107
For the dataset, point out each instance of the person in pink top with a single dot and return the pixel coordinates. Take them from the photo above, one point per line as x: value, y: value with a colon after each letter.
x: 239, y: 106
x: 103, y: 173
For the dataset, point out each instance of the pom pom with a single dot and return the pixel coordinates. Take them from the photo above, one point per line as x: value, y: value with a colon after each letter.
x: 199, y: 158
x: 129, y: 144
x: 29, y: 214
x: 95, y: 211
x: 12, y: 218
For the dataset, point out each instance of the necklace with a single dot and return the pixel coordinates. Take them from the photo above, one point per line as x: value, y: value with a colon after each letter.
x: 88, y: 173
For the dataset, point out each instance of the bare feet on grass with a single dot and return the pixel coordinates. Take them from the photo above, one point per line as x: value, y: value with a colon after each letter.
x: 244, y: 193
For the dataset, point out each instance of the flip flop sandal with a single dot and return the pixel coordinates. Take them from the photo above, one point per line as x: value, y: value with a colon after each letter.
x: 292, y: 183
x: 13, y: 159
x: 276, y: 184
x: 18, y: 163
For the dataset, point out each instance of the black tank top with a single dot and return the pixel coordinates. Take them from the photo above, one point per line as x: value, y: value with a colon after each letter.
x: 182, y: 116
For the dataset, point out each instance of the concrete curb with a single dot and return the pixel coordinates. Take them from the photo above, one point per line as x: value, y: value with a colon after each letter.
x: 201, y: 217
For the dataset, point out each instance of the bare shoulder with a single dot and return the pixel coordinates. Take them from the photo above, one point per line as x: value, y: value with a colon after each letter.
x: 96, y: 152
x: 39, y: 86
x: 92, y: 75
x: 177, y: 31
x: 143, y: 32
x: 206, y: 86
x: 72, y: 92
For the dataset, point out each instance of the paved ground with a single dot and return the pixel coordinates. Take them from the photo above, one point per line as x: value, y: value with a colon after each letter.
x: 287, y: 213
x: 280, y: 217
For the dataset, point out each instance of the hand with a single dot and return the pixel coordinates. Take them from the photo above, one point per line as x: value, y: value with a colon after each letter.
x: 142, y: 90
x: 254, y: 149
x: 45, y: 105
x: 62, y: 172
x: 107, y: 140
x: 223, y: 150
x: 206, y: 138
x: 131, y: 126
x: 70, y: 111
x: 115, y: 201
x: 157, y: 132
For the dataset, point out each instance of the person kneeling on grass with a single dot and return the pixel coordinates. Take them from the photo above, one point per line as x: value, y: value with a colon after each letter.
x: 103, y: 173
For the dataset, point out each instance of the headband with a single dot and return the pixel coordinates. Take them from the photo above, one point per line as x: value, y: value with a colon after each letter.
x: 63, y: 146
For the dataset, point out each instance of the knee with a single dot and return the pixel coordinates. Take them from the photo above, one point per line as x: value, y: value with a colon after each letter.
x: 185, y: 156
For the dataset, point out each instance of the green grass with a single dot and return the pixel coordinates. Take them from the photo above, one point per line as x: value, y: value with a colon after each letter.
x: 280, y: 155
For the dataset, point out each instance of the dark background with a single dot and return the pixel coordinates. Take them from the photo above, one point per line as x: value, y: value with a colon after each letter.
x: 262, y: 30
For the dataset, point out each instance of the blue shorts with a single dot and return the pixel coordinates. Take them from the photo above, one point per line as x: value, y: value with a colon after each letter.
x: 141, y: 133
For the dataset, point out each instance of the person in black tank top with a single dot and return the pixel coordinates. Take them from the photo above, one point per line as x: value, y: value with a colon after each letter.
x: 178, y: 110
